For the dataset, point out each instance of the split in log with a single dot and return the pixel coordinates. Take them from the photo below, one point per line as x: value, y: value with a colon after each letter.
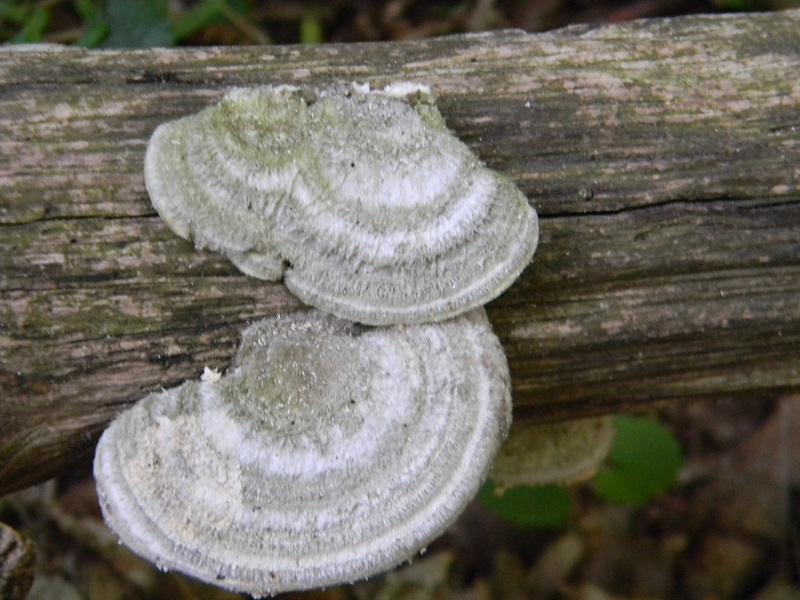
x: 663, y: 158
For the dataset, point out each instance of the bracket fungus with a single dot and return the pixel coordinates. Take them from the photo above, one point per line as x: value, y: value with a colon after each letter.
x: 363, y: 201
x: 327, y: 453
x: 537, y: 454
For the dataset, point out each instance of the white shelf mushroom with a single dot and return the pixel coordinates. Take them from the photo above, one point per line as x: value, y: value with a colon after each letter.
x: 326, y: 454
x: 366, y: 204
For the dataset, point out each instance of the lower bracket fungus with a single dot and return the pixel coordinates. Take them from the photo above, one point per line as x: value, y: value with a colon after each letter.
x: 363, y: 201
x: 327, y: 453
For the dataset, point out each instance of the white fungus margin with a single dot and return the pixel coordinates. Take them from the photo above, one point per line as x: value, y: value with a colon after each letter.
x: 327, y: 453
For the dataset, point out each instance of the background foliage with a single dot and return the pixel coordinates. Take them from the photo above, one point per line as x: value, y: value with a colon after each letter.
x: 148, y: 23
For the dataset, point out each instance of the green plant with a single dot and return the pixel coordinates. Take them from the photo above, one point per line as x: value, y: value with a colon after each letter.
x: 148, y: 23
x: 311, y: 30
x: 95, y: 27
x: 116, y: 23
x: 541, y: 507
x: 643, y: 462
x: 22, y: 21
x: 139, y: 24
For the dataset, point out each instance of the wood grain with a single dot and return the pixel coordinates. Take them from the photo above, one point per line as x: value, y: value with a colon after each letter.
x: 663, y: 158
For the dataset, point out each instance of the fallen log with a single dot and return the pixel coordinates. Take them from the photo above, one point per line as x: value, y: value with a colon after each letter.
x: 663, y: 158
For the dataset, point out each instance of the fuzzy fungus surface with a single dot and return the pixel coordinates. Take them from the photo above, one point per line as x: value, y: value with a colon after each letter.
x: 363, y: 201
x: 327, y: 453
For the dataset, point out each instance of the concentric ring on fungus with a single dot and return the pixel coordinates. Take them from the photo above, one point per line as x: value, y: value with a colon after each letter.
x: 327, y: 453
x: 382, y: 215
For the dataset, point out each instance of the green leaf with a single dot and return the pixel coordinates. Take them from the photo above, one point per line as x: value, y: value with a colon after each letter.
x: 12, y: 18
x: 94, y: 32
x: 34, y: 27
x: 14, y: 11
x: 85, y: 8
x: 643, y: 462
x: 95, y: 27
x: 142, y: 24
x: 239, y: 6
x: 198, y: 17
x: 541, y: 507
x: 311, y: 30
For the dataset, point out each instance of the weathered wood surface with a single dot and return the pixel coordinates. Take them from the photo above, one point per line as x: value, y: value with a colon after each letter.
x: 663, y: 157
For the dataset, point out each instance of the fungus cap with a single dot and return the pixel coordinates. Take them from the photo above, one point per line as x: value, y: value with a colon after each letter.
x: 326, y: 454
x: 538, y: 454
x: 364, y: 201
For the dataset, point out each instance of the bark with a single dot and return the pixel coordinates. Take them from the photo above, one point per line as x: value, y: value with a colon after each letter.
x: 663, y: 158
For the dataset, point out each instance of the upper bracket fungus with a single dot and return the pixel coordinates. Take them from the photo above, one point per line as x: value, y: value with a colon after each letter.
x: 364, y: 201
x: 327, y: 453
